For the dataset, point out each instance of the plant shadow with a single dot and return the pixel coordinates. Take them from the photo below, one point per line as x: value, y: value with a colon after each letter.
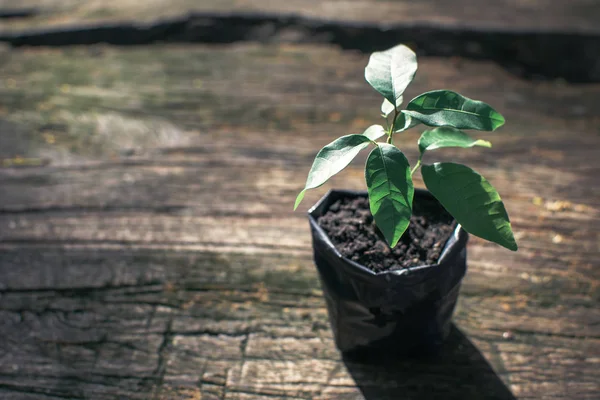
x: 459, y: 371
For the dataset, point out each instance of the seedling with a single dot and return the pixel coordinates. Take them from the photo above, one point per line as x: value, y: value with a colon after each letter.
x: 465, y: 194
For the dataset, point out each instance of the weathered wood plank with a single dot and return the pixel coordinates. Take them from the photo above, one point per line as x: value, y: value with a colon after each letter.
x: 534, y: 40
x: 539, y: 14
x: 179, y: 183
x: 155, y: 253
x: 260, y: 313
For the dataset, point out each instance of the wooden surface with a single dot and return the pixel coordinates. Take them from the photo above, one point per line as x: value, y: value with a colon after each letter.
x: 532, y: 15
x: 536, y: 39
x: 149, y: 250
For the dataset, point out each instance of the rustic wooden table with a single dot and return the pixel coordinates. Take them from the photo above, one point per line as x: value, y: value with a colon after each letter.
x: 148, y: 248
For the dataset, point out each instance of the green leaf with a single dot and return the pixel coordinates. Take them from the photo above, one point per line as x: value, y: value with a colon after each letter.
x: 374, y: 132
x: 404, y: 122
x: 331, y: 159
x: 443, y: 107
x: 390, y: 191
x: 472, y: 200
x: 448, y: 137
x: 387, y: 108
x: 389, y: 72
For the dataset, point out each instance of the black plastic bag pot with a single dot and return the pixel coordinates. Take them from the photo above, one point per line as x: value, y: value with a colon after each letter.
x: 406, y: 311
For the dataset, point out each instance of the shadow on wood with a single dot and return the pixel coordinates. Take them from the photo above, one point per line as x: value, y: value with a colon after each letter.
x: 460, y: 371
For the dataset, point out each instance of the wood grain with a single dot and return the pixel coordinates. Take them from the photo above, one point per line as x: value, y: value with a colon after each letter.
x: 543, y: 15
x: 149, y: 250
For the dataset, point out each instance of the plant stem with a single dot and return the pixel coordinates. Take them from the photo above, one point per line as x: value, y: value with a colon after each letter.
x: 391, y: 131
x: 417, y: 165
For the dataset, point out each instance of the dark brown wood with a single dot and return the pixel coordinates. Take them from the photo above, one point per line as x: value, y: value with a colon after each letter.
x: 540, y: 39
x: 149, y: 250
x: 544, y: 15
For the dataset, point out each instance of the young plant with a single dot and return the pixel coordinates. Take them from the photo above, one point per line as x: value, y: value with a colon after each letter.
x: 465, y: 194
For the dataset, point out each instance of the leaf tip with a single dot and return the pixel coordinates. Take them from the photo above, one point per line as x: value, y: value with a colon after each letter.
x: 512, y: 243
x: 397, y: 235
x: 483, y: 143
x: 395, y: 242
x: 299, y: 199
x: 509, y: 238
x: 498, y: 121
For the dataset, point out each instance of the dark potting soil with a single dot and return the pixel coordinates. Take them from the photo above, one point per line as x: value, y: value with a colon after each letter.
x: 349, y: 224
